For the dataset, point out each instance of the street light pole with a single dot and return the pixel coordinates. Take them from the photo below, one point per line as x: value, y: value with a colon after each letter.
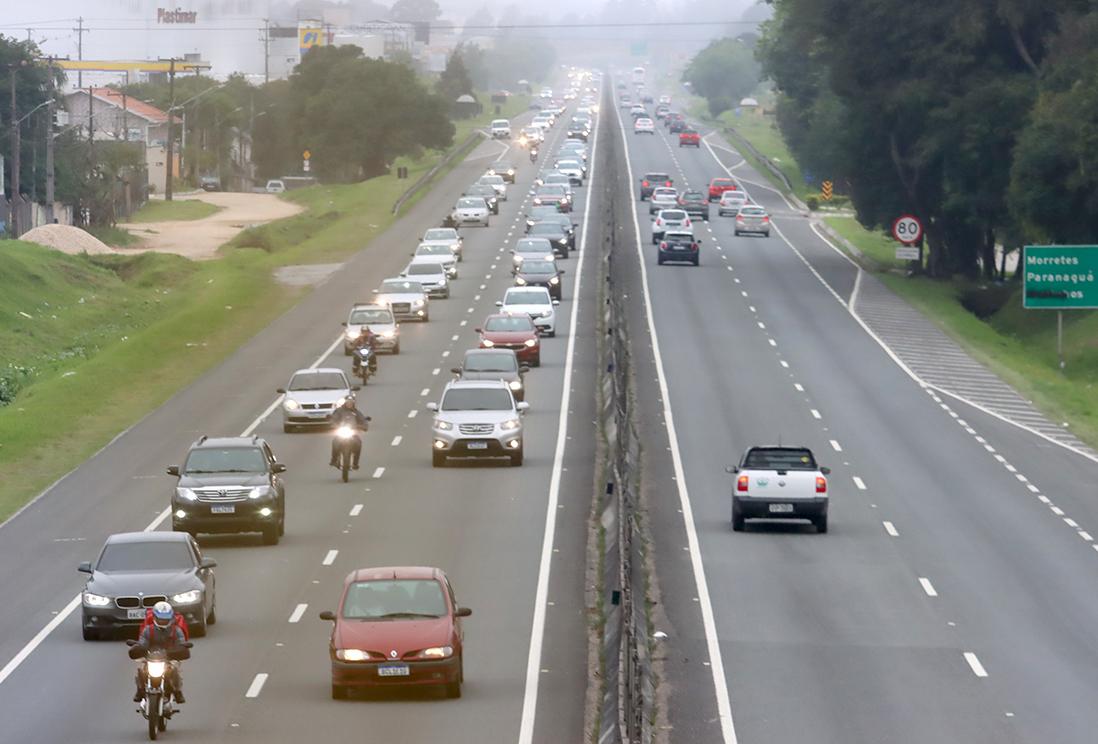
x: 171, y: 107
x: 15, y: 164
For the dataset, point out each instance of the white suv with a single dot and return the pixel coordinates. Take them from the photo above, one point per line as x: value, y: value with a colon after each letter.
x: 500, y: 129
x: 535, y: 302
x: 476, y: 419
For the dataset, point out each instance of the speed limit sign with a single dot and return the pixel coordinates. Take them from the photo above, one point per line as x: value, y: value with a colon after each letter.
x: 907, y: 229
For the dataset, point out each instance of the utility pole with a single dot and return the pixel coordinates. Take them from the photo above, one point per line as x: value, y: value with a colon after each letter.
x: 80, y: 50
x: 49, y: 144
x: 266, y: 50
x: 171, y: 131
x: 16, y: 200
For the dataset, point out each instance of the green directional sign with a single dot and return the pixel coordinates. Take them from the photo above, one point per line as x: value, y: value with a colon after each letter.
x: 1060, y: 277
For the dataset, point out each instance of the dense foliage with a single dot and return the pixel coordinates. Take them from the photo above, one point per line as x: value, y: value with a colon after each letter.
x: 724, y: 72
x: 977, y: 115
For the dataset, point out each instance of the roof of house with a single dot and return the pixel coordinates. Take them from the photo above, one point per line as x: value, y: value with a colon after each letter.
x: 135, y: 106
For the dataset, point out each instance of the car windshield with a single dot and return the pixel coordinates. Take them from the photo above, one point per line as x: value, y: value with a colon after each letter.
x: 527, y: 297
x: 470, y: 203
x: 481, y: 362
x: 672, y: 215
x: 318, y: 381
x: 428, y: 249
x: 400, y: 286
x: 538, y: 267
x: 440, y: 233
x: 539, y: 212
x: 370, y: 315
x: 509, y: 324
x: 225, y: 460
x: 154, y: 555
x: 779, y: 458
x: 425, y: 269
x: 477, y: 399
x: 394, y: 599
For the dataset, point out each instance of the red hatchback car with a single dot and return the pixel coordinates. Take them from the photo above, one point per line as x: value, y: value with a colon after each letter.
x: 396, y: 627
x: 689, y: 138
x: 718, y: 186
x: 516, y: 332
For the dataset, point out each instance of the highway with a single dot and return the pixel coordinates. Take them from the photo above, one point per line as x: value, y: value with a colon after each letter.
x: 512, y: 540
x: 950, y: 600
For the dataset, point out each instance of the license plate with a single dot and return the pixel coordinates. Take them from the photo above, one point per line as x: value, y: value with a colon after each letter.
x: 393, y: 670
x: 135, y: 614
x: 478, y: 445
x: 781, y: 508
x: 223, y: 509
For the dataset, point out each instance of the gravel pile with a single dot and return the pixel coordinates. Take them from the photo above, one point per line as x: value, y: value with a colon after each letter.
x: 67, y: 239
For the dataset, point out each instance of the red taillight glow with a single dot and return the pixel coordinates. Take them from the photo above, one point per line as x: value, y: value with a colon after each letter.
x: 663, y: 245
x: 668, y: 182
x: 821, y: 484
x: 741, y: 484
x: 766, y: 219
x: 644, y: 183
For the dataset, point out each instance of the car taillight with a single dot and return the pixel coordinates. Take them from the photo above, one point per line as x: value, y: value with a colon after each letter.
x: 766, y: 219
x: 663, y: 245
x: 741, y: 484
x: 821, y: 484
x: 668, y: 183
x: 693, y: 246
x: 739, y: 218
x: 644, y: 183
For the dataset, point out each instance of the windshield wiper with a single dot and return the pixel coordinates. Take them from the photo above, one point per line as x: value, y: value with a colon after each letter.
x: 406, y: 614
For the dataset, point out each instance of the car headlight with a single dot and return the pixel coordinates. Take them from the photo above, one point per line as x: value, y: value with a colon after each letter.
x: 509, y: 425
x: 487, y: 343
x: 186, y: 494
x: 515, y: 384
x: 351, y: 654
x: 388, y: 334
x: 417, y: 303
x: 436, y: 652
x: 351, y: 334
x: 189, y: 597
x: 530, y: 343
x: 520, y: 281
x: 259, y: 492
x: 290, y: 404
x: 443, y: 425
x: 96, y: 600
x: 555, y: 280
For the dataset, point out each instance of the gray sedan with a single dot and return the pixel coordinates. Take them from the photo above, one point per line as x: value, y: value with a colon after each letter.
x: 494, y: 364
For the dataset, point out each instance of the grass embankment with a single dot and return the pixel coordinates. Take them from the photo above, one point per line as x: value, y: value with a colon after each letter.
x: 516, y: 104
x: 113, y: 236
x: 158, y: 210
x: 112, y: 337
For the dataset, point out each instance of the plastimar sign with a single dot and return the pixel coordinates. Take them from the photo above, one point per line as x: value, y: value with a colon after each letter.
x: 167, y: 15
x: 1060, y: 277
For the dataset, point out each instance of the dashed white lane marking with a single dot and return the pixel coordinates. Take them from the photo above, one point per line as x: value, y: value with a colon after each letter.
x: 1057, y: 511
x: 928, y: 587
x: 975, y: 665
x: 784, y: 363
x: 424, y: 392
x: 256, y: 686
x: 476, y: 298
x: 772, y: 342
x: 463, y: 324
x: 762, y: 326
x: 356, y: 510
x: 330, y: 557
x: 816, y: 415
x: 470, y: 310
x: 1086, y: 536
x: 798, y: 387
x: 1071, y: 523
x: 455, y: 337
x: 891, y: 529
x: 751, y: 308
x: 836, y: 446
x: 436, y: 370
x: 413, y: 413
x: 445, y: 353
x: 379, y: 471
x: 859, y: 483
x: 396, y: 441
x: 295, y: 616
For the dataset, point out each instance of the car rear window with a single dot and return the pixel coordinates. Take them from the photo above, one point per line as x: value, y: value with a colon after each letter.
x: 753, y: 211
x: 394, y: 599
x: 657, y: 177
x: 493, y: 362
x: 673, y: 215
x: 780, y: 458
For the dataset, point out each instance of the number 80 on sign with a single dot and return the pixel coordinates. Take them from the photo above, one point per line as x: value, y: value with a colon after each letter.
x: 907, y: 229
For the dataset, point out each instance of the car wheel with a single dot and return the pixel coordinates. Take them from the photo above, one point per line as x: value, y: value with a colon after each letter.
x: 90, y: 634
x: 736, y: 233
x: 697, y: 261
x: 198, y: 630
x: 396, y: 349
x: 339, y: 692
x: 453, y: 690
x: 447, y: 295
x: 438, y: 460
x: 282, y: 522
x: 737, y: 517
x: 659, y: 260
x: 426, y: 317
x: 552, y: 333
x: 211, y: 619
x: 766, y: 234
x: 516, y: 459
x: 821, y: 523
x: 536, y: 362
x: 270, y: 535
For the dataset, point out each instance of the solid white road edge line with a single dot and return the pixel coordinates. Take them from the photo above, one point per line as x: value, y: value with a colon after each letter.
x: 541, y: 595
x: 61, y: 616
x: 716, y: 663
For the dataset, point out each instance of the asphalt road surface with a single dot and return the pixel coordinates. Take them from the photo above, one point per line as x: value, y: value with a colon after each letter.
x: 511, y: 539
x: 950, y: 601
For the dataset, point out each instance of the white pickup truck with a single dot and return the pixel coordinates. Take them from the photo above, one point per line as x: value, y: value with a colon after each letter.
x: 500, y: 129
x: 779, y: 483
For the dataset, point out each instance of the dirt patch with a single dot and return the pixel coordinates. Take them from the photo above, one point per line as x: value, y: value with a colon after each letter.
x: 201, y: 239
x: 67, y: 239
x: 305, y: 275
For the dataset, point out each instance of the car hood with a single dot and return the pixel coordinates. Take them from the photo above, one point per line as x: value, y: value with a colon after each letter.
x: 386, y: 636
x: 206, y: 480
x: 535, y: 278
x: 508, y: 337
x: 400, y: 297
x: 528, y: 309
x: 125, y: 583
x: 476, y: 417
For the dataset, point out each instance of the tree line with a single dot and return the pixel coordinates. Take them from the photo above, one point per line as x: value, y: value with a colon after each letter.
x: 978, y: 116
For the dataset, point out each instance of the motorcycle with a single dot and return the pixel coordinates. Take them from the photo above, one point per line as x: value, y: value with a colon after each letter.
x: 345, y: 440
x: 533, y: 154
x: 364, y: 363
x: 156, y: 707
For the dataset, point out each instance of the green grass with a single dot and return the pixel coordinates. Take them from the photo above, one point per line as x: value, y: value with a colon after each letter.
x: 113, y: 236
x: 515, y: 105
x: 879, y: 247
x: 150, y: 324
x: 158, y: 210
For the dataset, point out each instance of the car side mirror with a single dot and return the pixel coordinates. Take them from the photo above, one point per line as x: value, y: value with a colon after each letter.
x: 456, y: 370
x: 278, y: 467
x: 825, y: 470
x: 731, y: 469
x: 173, y: 470
x: 85, y: 567
x: 524, y: 368
x: 280, y: 390
x: 463, y: 612
x: 356, y: 388
x: 369, y: 418
x: 477, y: 330
x: 327, y: 615
x: 499, y: 303
x: 560, y: 271
x: 432, y: 406
x: 522, y: 406
x: 208, y: 563
x: 556, y: 302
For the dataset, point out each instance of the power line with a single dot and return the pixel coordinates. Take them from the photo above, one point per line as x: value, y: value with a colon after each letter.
x: 455, y: 28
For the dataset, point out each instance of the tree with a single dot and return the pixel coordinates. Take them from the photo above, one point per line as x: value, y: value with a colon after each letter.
x: 723, y: 72
x: 415, y: 11
x: 454, y: 80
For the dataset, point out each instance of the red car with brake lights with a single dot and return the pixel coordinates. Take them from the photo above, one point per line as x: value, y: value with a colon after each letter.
x: 689, y: 138
x: 719, y: 185
x: 515, y: 332
x: 396, y: 627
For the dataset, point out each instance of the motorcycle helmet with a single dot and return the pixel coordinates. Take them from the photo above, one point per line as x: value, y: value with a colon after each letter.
x: 163, y: 615
x: 349, y: 402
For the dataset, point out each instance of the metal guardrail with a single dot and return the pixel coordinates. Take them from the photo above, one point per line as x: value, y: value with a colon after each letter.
x: 458, y: 152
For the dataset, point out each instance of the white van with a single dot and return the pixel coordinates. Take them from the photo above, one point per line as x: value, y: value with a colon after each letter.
x: 500, y: 129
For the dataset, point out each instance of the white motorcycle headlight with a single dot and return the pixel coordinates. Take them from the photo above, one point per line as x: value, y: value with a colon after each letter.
x: 156, y: 669
x: 345, y: 432
x: 290, y: 404
x: 96, y: 600
x: 186, y: 494
x: 187, y: 597
x: 443, y: 425
x: 515, y: 384
x: 520, y: 281
x: 509, y: 425
x: 259, y: 492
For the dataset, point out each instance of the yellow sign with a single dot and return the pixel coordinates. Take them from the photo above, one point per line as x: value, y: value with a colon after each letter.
x: 309, y: 37
x: 306, y: 154
x: 825, y: 191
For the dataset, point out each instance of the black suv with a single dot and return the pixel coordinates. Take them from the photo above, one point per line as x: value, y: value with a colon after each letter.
x: 678, y: 246
x: 651, y: 181
x: 695, y: 204
x: 230, y: 484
